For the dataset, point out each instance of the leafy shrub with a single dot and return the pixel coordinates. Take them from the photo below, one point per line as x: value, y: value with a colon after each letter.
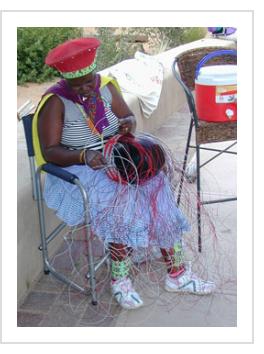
x: 164, y: 38
x: 108, y: 53
x: 192, y: 34
x: 182, y: 35
x: 115, y: 47
x: 33, y: 44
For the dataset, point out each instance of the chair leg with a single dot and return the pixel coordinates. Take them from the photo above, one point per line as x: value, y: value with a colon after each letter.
x: 185, y: 162
x: 44, y: 248
x: 48, y: 268
x: 198, y: 198
x: 87, y: 221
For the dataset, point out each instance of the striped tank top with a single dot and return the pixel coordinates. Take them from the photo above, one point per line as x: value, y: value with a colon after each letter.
x: 77, y: 135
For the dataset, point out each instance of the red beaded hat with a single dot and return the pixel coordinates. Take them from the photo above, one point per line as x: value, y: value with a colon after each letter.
x: 74, y: 58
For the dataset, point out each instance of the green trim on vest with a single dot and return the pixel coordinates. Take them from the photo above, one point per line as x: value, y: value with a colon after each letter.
x: 36, y: 144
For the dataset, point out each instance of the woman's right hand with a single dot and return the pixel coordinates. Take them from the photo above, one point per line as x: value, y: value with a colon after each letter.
x: 95, y: 159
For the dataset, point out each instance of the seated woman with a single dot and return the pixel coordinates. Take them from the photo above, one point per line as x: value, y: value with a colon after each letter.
x: 74, y: 120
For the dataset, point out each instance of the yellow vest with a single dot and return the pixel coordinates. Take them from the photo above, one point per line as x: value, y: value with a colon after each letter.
x: 36, y: 144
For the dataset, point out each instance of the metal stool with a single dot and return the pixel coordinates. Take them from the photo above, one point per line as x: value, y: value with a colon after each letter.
x: 205, y: 132
x: 46, y: 239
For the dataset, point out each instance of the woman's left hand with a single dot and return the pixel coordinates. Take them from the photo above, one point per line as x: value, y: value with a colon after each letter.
x: 127, y: 125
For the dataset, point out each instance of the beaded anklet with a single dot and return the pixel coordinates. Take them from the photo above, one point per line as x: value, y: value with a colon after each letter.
x: 178, y: 254
x: 120, y: 269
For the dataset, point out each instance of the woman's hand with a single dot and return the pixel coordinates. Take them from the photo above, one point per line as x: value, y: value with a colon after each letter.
x: 127, y: 125
x: 95, y: 159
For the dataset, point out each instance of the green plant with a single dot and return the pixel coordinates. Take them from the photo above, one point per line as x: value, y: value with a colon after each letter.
x: 164, y: 38
x: 191, y: 34
x: 115, y: 47
x: 33, y: 44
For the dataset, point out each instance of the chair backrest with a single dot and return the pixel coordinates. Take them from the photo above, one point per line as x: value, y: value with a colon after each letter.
x: 47, y: 167
x: 27, y: 123
x: 188, y: 60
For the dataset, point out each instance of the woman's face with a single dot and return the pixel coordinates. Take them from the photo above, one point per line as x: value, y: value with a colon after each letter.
x: 83, y: 85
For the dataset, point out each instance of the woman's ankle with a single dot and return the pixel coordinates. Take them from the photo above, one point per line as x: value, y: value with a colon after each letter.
x: 176, y: 271
x: 120, y: 269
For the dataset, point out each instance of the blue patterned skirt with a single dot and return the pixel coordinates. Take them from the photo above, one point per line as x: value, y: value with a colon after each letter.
x: 133, y: 215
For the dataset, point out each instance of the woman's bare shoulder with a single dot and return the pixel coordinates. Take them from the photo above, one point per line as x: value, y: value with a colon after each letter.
x: 53, y: 105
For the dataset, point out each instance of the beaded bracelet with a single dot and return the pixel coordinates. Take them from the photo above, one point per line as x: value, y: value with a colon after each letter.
x: 81, y: 157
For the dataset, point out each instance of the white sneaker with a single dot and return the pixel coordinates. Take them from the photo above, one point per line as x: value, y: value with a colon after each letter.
x: 188, y: 282
x: 125, y: 294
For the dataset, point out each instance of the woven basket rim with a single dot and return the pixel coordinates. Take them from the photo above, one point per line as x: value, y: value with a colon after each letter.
x: 209, y: 48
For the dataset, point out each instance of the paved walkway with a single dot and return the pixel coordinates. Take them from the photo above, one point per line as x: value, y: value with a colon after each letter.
x: 51, y: 303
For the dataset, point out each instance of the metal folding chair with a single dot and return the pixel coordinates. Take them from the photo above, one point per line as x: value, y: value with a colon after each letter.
x: 47, y: 238
x: 205, y: 132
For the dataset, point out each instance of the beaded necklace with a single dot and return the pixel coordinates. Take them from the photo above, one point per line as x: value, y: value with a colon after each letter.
x: 90, y: 122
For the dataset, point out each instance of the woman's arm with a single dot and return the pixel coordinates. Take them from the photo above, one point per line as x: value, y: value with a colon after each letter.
x: 50, y: 123
x: 126, y: 117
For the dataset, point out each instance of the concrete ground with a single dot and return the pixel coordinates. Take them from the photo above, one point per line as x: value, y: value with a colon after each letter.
x: 51, y: 304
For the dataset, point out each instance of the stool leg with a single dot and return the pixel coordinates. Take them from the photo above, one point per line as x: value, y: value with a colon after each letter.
x: 185, y: 162
x: 198, y: 198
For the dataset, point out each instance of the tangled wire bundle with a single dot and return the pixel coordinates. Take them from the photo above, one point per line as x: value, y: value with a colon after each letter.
x: 134, y: 159
x: 132, y: 162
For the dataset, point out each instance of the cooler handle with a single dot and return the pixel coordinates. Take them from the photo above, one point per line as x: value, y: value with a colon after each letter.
x: 213, y: 55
